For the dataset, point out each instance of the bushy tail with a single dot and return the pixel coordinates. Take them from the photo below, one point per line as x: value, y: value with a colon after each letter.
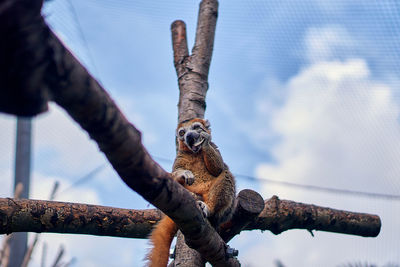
x: 161, y: 238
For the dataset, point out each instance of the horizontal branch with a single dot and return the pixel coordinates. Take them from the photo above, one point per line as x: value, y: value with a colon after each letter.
x: 58, y: 217
x: 39, y: 216
x: 56, y: 74
x: 282, y: 215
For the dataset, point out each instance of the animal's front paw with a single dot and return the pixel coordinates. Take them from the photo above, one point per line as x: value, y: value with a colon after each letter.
x: 183, y: 177
x: 206, y: 137
x: 204, y: 208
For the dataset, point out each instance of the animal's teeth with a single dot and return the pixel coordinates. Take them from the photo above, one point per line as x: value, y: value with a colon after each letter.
x: 199, y: 143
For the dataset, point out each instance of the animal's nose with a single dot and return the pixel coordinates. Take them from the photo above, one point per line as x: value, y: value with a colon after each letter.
x: 191, y: 137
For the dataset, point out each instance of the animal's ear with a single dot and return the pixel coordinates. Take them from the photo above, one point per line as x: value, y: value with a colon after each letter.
x: 207, y: 124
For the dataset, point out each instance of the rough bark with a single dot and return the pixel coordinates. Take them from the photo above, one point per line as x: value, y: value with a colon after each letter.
x: 5, y: 248
x: 58, y: 217
x: 186, y: 256
x: 281, y: 215
x: 249, y: 204
x: 192, y: 70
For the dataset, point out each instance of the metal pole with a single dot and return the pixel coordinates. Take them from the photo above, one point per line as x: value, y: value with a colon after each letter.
x: 18, y: 242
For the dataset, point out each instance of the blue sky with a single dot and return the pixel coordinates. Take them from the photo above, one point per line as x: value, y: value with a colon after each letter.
x: 300, y: 91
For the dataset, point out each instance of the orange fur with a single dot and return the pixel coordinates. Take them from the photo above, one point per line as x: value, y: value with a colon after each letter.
x: 161, y: 237
x: 213, y: 184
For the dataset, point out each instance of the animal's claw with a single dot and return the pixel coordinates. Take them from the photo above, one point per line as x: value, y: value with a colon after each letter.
x: 184, y: 176
x: 204, y: 208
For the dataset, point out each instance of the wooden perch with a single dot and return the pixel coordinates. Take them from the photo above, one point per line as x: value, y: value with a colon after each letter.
x: 54, y: 73
x: 39, y: 216
x: 249, y: 204
x: 281, y: 215
x: 25, y: 215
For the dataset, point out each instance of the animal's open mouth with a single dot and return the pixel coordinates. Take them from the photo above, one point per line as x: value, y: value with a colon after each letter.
x: 196, y: 146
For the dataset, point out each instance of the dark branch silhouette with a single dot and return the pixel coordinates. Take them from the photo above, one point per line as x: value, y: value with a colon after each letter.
x: 54, y: 73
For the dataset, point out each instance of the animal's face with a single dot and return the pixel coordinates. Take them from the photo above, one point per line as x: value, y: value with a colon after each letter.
x: 192, y: 134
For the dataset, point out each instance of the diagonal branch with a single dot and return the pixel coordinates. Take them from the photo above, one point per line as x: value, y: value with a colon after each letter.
x: 64, y: 80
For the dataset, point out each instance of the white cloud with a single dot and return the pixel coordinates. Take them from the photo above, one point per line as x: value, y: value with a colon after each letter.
x: 327, y: 42
x: 337, y: 128
x: 58, y: 144
x: 42, y: 186
x: 337, y: 124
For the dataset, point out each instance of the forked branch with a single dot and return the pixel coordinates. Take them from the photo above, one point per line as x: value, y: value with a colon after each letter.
x: 192, y: 70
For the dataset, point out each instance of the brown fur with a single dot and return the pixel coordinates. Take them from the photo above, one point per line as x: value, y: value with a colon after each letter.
x: 213, y: 183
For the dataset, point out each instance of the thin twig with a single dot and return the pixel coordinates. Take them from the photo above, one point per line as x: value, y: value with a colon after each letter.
x: 59, y: 256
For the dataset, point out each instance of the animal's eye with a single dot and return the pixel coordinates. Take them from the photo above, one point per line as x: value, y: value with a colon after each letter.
x: 181, y: 132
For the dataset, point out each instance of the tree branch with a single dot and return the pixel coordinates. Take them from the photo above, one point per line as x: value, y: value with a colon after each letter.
x: 179, y: 46
x: 281, y: 215
x: 192, y: 70
x: 249, y: 204
x: 205, y: 34
x: 25, y: 215
x: 39, y: 216
x: 67, y: 82
x: 20, y: 93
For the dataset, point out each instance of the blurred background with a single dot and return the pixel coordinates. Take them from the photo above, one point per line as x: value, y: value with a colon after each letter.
x: 305, y: 92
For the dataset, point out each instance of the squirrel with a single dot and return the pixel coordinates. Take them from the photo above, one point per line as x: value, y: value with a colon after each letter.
x: 200, y: 169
